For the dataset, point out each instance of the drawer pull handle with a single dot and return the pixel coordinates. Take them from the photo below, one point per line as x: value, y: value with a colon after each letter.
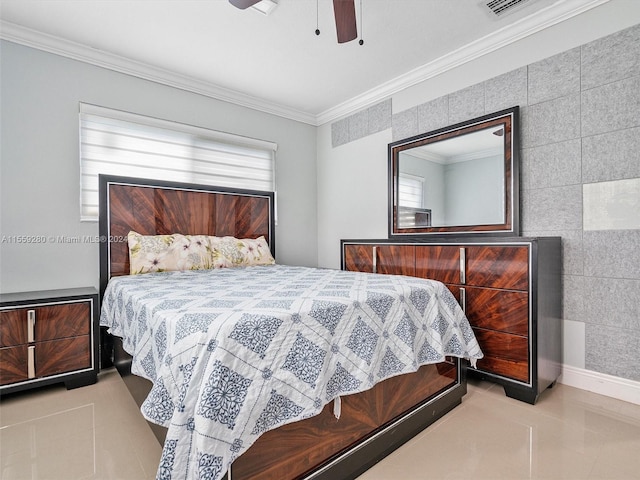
x: 463, y: 299
x: 31, y: 361
x: 31, y: 323
x: 463, y: 263
x: 375, y: 259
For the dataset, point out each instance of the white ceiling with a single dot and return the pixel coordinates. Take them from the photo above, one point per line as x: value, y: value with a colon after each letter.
x: 277, y: 63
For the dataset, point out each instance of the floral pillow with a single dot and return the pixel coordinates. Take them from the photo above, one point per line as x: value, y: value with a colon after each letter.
x: 160, y: 253
x: 234, y: 252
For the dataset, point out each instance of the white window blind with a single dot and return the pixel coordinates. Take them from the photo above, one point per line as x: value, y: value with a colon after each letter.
x: 121, y: 143
x: 410, y: 190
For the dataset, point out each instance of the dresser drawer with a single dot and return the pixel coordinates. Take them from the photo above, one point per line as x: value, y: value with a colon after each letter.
x: 438, y: 262
x: 504, y: 354
x: 389, y: 259
x: 497, y: 266
x: 502, y: 310
x: 493, y: 266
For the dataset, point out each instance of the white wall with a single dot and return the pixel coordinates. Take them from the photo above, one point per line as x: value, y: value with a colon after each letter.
x: 39, y: 169
x: 352, y: 192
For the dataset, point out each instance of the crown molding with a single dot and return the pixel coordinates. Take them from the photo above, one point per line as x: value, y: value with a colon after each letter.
x: 547, y: 17
x: 76, y: 51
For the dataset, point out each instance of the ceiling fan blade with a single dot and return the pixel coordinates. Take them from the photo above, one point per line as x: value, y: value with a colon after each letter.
x: 345, y: 13
x: 242, y: 4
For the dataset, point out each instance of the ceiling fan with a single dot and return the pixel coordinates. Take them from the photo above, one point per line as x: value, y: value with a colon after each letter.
x: 344, y: 11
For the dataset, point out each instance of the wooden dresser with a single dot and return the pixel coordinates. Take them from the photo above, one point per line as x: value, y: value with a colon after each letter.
x: 511, y: 292
x: 48, y: 337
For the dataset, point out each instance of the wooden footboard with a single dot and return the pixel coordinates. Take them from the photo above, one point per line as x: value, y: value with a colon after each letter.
x: 372, y: 424
x: 321, y: 446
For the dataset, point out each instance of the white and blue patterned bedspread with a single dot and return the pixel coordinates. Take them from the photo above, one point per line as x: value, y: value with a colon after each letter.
x: 233, y: 353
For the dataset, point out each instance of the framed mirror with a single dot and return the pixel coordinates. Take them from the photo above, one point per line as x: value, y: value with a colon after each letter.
x: 462, y: 179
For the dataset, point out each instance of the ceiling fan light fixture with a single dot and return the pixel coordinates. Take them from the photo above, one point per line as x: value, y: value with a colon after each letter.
x: 265, y: 6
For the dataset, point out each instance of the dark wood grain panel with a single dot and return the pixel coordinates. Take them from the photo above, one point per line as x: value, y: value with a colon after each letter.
x: 313, y: 441
x: 64, y: 320
x: 206, y: 213
x: 358, y: 258
x: 13, y: 327
x: 498, y: 266
x: 241, y: 216
x: 13, y: 364
x: 396, y: 259
x: 196, y: 218
x: 505, y: 354
x: 438, y: 262
x: 493, y: 309
x: 65, y: 355
x: 390, y: 259
x: 132, y: 209
x: 152, y: 210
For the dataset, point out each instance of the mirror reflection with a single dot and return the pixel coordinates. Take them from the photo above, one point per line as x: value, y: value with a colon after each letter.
x: 457, y: 181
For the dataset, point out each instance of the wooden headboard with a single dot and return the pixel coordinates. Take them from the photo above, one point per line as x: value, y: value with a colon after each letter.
x: 152, y: 207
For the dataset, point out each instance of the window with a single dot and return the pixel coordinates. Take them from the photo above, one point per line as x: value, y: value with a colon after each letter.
x: 120, y: 143
x: 410, y: 190
x: 410, y: 199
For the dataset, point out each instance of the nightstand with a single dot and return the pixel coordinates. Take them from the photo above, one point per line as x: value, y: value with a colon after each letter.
x: 48, y: 337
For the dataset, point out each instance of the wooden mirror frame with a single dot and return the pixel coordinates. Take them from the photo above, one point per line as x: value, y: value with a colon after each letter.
x: 511, y: 224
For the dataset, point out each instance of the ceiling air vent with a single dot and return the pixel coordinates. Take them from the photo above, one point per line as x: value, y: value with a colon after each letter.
x: 501, y: 7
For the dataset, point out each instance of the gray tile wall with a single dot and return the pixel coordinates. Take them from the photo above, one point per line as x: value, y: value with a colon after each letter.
x: 580, y: 124
x: 367, y: 122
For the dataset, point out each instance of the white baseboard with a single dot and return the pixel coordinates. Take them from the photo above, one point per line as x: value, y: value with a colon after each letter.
x: 608, y: 385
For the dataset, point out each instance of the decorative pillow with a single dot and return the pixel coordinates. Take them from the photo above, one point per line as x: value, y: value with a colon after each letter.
x: 234, y: 252
x: 159, y: 253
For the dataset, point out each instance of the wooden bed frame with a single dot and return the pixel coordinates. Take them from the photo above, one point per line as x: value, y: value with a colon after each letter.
x: 372, y: 423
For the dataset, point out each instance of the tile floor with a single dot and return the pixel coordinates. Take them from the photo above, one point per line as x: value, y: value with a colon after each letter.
x: 96, y: 432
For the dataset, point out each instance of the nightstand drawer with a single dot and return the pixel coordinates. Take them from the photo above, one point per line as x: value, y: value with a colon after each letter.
x: 62, y: 321
x: 45, y: 323
x: 14, y: 365
x: 64, y: 355
x: 13, y: 327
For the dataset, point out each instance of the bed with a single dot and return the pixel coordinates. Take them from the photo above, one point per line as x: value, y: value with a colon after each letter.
x: 266, y: 370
